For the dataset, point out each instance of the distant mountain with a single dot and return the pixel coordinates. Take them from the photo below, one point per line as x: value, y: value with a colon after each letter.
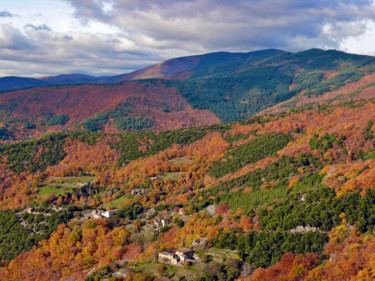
x: 10, y: 83
x: 188, y: 91
x: 186, y: 67
x: 178, y: 68
x: 70, y: 79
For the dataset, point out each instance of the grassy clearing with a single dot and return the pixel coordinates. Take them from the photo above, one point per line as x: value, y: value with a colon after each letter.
x: 181, y: 160
x: 222, y: 253
x: 144, y: 267
x: 170, y: 271
x: 172, y: 176
x: 61, y: 185
x: 257, y: 198
x: 71, y: 180
x: 253, y: 199
x: 116, y: 203
x: 47, y: 190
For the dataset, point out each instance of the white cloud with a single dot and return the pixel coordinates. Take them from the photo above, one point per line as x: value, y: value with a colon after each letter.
x: 13, y: 39
x: 43, y: 37
x: 233, y: 25
x: 5, y: 14
x: 41, y: 27
x: 363, y: 43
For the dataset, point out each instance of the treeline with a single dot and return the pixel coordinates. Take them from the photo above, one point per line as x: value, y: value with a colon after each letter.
x: 88, y: 137
x: 119, y: 115
x: 278, y: 172
x: 58, y: 120
x: 267, y: 185
x: 264, y: 248
x: 237, y: 95
x: 154, y: 142
x: 4, y: 134
x: 130, y: 211
x: 38, y: 154
x: 35, y: 155
x: 16, y: 238
x: 326, y: 142
x: 251, y: 152
x: 320, y: 208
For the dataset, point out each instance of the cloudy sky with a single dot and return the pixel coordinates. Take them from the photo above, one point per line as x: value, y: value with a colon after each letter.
x: 107, y: 37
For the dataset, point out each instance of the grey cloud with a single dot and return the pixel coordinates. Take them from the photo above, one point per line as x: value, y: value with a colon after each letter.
x: 5, y: 14
x: 41, y: 27
x: 52, y: 53
x: 237, y: 24
x: 13, y: 39
x: 153, y: 30
x: 89, y: 8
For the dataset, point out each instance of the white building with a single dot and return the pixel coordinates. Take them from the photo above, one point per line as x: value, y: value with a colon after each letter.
x: 109, y: 214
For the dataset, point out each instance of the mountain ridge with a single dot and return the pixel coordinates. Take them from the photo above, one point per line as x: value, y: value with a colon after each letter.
x: 222, y: 86
x: 12, y: 83
x: 148, y: 72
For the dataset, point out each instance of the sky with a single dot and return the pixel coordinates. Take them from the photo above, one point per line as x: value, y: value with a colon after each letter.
x: 110, y: 37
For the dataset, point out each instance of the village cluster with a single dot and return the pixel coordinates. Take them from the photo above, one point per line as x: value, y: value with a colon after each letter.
x: 178, y: 257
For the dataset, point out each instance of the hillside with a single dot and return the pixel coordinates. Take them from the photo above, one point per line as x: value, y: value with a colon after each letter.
x: 131, y: 106
x: 10, y: 83
x: 291, y: 192
x: 147, y: 179
x: 66, y: 79
x: 189, y: 91
x: 195, y: 66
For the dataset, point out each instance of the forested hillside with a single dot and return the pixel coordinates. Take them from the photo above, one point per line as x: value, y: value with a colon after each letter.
x: 243, y: 166
x: 286, y: 196
x: 188, y: 91
x: 132, y: 106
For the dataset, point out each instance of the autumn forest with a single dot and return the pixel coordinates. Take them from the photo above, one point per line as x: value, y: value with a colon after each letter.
x: 219, y: 167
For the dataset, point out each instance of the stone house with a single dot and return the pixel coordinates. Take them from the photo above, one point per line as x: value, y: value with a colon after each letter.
x: 110, y: 213
x: 161, y: 222
x: 178, y: 257
x: 96, y: 214
x: 169, y: 257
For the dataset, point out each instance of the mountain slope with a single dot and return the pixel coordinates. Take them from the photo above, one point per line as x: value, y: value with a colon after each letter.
x: 130, y: 106
x: 294, y: 187
x: 65, y: 79
x: 185, y: 67
x: 10, y: 83
x: 284, y: 195
x: 232, y: 86
x: 235, y: 91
